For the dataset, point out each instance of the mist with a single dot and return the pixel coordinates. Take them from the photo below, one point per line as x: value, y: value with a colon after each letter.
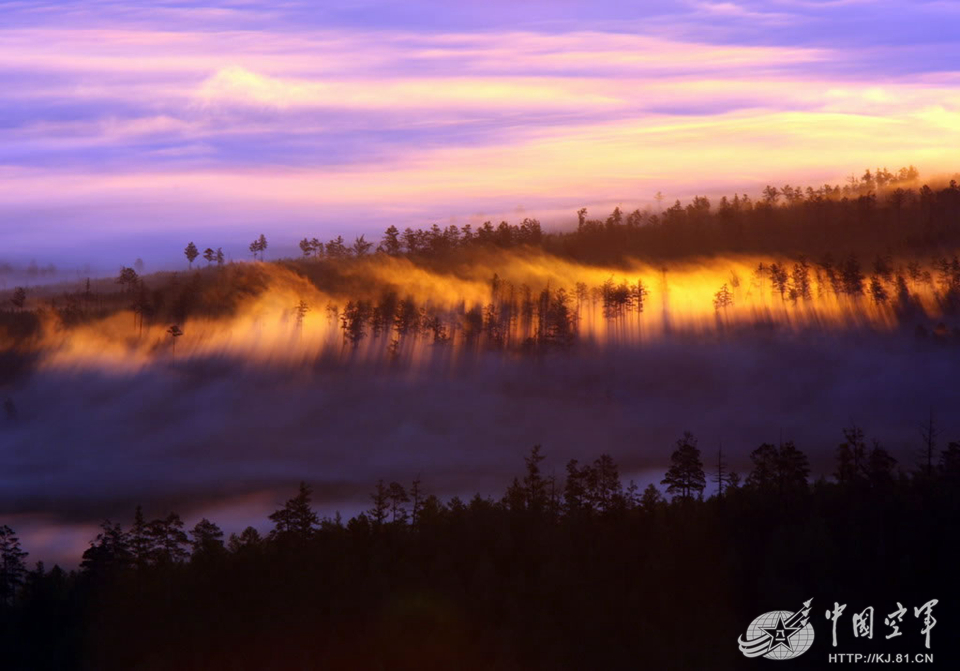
x: 216, y: 434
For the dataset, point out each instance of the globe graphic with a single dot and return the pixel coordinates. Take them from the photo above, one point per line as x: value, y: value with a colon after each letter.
x: 801, y: 640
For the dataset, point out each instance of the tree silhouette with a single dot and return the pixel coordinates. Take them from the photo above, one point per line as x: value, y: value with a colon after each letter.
x: 851, y: 456
x: 296, y: 519
x: 722, y: 299
x: 381, y: 504
x: 306, y: 247
x: 168, y: 539
x: 206, y: 538
x: 175, y: 332
x: 397, y: 496
x: 259, y: 246
x: 108, y: 554
x: 12, y: 568
x: 390, y: 244
x: 209, y: 255
x: 140, y: 540
x: 301, y: 310
x: 19, y: 298
x: 685, y: 475
x: 361, y: 246
x: 191, y: 253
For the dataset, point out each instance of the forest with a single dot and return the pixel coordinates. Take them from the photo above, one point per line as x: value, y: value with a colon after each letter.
x: 390, y: 377
x: 581, y: 571
x: 875, y: 253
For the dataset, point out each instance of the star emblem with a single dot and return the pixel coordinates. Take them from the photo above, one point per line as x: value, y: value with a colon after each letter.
x: 780, y: 634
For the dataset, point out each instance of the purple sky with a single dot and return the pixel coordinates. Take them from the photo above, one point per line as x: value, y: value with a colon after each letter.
x: 127, y: 130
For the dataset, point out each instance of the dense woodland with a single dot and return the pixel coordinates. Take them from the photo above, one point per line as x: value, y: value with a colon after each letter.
x: 577, y: 572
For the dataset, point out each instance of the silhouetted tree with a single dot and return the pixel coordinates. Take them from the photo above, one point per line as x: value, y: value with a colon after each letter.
x: 851, y: 456
x: 381, y: 504
x: 19, y: 298
x: 390, y: 244
x: 206, y: 539
x: 168, y: 539
x: 175, y: 332
x: 685, y: 476
x: 191, y: 253
x: 723, y: 299
x: 12, y: 567
x: 108, y: 554
x: 361, y: 246
x: 397, y: 496
x: 296, y: 519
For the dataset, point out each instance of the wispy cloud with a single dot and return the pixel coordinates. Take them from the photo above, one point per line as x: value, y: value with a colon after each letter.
x: 281, y: 111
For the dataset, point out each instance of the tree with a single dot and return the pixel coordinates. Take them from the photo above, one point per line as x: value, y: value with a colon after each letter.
x: 878, y: 292
x: 219, y: 256
x: 793, y: 469
x: 12, y: 567
x: 361, y: 246
x: 301, y: 310
x: 206, y: 538
x: 852, y: 277
x: 209, y: 255
x: 249, y: 539
x: 720, y: 475
x: 175, y: 332
x: 534, y: 486
x: 19, y: 298
x: 390, y: 244
x: 381, y: 504
x: 258, y: 246
x: 296, y: 519
x: 763, y: 475
x: 127, y: 279
x: 416, y: 497
x: 651, y: 499
x: 801, y: 280
x: 722, y: 299
x: 950, y: 463
x: 306, y: 247
x: 397, y: 496
x: 140, y: 541
x: 108, y: 554
x: 851, y: 456
x: 685, y: 475
x: 169, y: 540
x: 778, y: 275
x: 191, y: 253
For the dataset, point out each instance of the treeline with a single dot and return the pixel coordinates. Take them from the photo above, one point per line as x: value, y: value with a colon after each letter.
x: 577, y: 572
x: 875, y: 213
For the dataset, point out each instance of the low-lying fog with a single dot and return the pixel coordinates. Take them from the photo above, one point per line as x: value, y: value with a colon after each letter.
x: 230, y: 441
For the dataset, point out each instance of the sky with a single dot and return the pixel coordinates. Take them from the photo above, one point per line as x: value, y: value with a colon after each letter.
x: 128, y: 129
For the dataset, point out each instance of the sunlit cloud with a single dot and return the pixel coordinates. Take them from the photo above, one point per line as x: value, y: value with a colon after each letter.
x: 278, y: 115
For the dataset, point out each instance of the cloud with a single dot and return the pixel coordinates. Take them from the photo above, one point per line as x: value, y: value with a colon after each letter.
x: 120, y: 116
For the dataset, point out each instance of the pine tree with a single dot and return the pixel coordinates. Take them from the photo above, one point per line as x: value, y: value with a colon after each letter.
x: 12, y: 567
x: 685, y: 475
x: 296, y: 518
x: 206, y: 538
x: 191, y: 253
